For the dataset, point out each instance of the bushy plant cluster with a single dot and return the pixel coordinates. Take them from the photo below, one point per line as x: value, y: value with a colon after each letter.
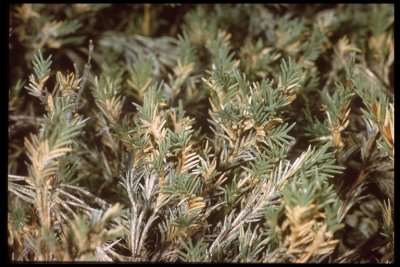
x: 258, y: 133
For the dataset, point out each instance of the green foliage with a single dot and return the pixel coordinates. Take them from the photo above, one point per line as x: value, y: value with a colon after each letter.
x: 41, y: 67
x: 231, y: 133
x: 141, y: 75
x: 193, y: 252
x: 83, y: 236
x: 187, y: 51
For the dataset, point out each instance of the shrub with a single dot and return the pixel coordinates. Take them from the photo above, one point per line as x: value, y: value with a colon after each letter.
x: 201, y: 133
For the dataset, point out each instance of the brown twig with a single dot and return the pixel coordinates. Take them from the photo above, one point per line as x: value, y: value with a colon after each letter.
x: 84, y: 76
x: 146, y: 20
